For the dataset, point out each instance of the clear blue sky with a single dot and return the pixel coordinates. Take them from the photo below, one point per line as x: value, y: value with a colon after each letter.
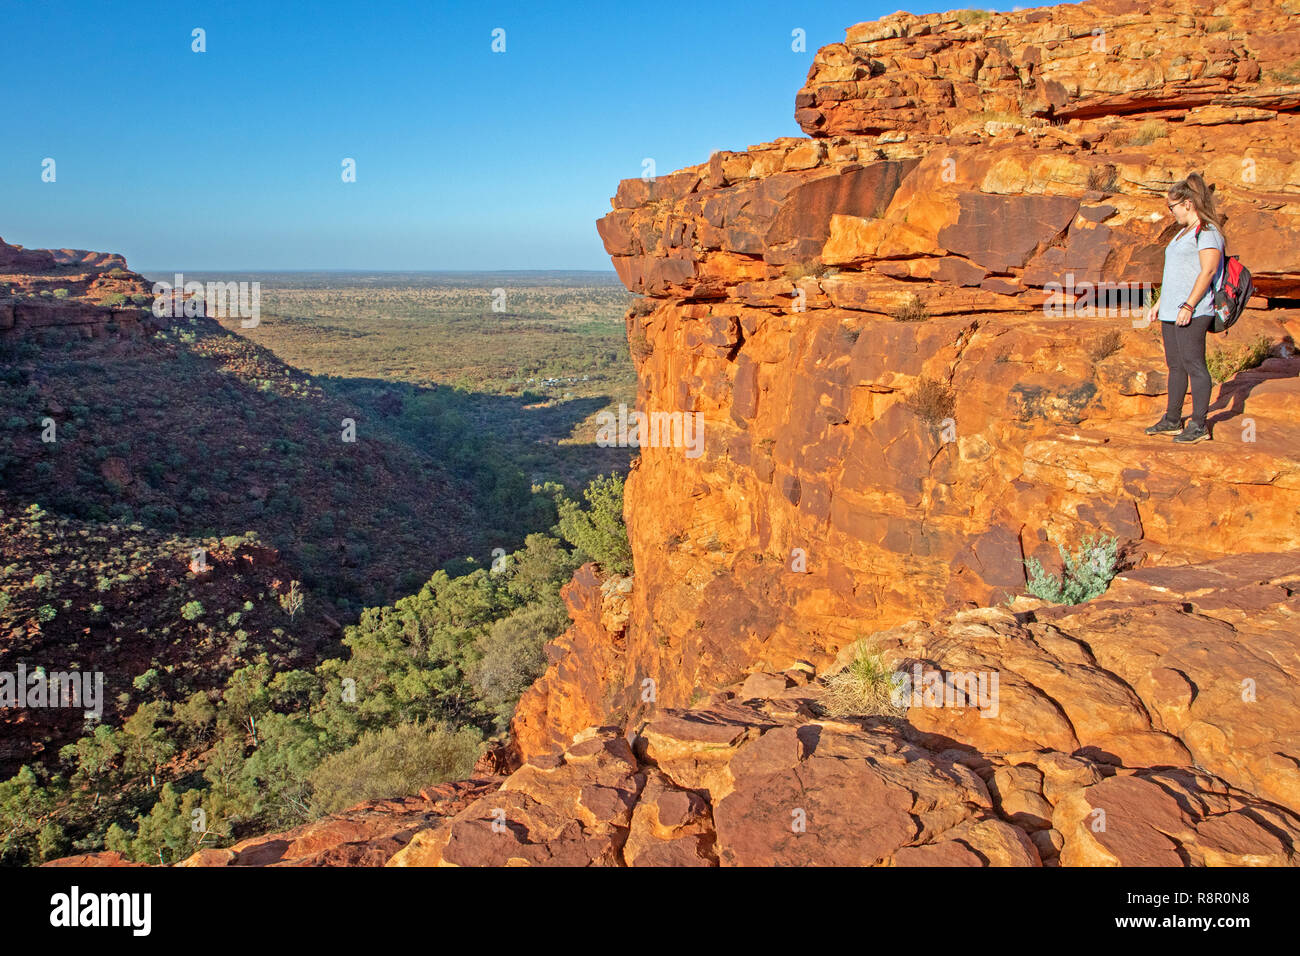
x: 466, y: 159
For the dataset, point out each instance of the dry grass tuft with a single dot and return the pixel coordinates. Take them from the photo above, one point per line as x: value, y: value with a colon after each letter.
x: 863, y: 689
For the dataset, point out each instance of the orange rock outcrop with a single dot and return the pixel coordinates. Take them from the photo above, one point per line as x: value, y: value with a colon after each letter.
x: 71, y: 292
x: 1154, y: 726
x: 890, y: 334
x: 905, y: 390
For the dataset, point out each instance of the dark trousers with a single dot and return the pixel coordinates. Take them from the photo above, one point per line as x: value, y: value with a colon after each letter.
x: 1185, y: 356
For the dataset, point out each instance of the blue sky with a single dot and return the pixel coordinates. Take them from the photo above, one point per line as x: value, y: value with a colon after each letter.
x: 466, y: 159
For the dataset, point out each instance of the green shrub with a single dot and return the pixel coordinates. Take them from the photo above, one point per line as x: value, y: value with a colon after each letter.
x: 24, y: 804
x: 512, y: 656
x: 60, y: 293
x: 52, y: 841
x: 598, y: 533
x: 394, y: 762
x: 166, y: 834
x: 863, y: 689
x: 1085, y: 574
x: 192, y: 611
x: 114, y: 298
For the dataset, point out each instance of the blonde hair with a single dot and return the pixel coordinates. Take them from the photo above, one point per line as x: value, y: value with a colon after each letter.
x: 1202, y: 197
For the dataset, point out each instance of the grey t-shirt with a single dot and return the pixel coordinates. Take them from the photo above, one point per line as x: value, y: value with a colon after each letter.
x: 1182, y: 266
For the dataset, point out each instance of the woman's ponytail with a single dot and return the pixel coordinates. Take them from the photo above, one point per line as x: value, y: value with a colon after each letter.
x: 1202, y: 197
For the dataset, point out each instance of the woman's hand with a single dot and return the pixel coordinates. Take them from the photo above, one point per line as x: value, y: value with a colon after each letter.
x: 1152, y: 314
x: 1184, y: 314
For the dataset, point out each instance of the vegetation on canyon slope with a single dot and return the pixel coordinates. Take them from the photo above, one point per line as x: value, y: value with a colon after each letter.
x: 348, y: 636
x: 424, y: 682
x: 367, y: 485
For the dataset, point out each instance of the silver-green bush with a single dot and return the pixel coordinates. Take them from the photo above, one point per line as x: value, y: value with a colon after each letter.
x: 1085, y: 574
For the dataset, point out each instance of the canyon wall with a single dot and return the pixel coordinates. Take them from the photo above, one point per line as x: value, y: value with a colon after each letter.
x: 884, y: 330
x: 52, y: 293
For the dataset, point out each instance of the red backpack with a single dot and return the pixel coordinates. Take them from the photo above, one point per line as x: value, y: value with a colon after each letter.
x: 1231, y: 296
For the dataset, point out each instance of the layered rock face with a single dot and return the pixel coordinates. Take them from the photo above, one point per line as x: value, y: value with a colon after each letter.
x: 1154, y: 726
x: 892, y: 422
x: 914, y: 345
x: 1076, y: 767
x: 70, y: 292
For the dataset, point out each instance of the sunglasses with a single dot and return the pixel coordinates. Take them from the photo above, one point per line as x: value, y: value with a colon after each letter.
x: 1173, y: 204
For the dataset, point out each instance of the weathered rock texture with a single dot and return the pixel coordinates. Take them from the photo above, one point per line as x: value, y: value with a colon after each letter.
x: 860, y: 471
x: 367, y: 835
x: 71, y: 292
x: 865, y: 476
x: 1150, y: 727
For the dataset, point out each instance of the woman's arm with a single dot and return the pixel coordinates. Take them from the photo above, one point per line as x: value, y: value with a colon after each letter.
x: 1209, y: 269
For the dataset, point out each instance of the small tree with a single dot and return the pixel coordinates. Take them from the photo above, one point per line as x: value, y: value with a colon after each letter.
x: 598, y: 532
x: 292, y: 600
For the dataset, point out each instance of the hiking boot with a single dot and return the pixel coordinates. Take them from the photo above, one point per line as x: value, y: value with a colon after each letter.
x: 1192, y: 434
x: 1163, y: 426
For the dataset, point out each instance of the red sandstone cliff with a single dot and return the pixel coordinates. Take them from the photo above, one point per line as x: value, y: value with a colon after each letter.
x: 52, y: 292
x: 952, y: 172
x: 1130, y: 705
x: 957, y: 170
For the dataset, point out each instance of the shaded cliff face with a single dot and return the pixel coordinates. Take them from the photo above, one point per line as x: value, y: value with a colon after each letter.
x: 859, y: 469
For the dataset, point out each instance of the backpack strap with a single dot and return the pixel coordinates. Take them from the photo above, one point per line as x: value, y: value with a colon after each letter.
x: 1223, y: 257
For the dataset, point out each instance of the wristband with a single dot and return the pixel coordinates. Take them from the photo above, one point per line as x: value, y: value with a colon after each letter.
x: 1186, y: 306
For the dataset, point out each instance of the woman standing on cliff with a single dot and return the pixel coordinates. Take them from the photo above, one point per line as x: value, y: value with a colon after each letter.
x: 1192, y: 262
